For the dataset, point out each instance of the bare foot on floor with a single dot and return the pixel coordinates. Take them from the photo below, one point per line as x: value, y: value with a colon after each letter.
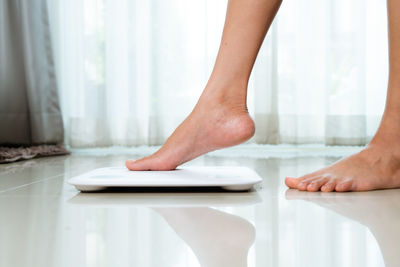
x: 375, y: 167
x: 211, y: 125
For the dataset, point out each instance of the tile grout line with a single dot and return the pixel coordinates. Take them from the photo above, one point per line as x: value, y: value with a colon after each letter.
x: 20, y: 186
x: 45, y: 179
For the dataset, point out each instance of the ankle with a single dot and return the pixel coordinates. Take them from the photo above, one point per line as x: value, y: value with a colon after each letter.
x: 389, y: 128
x: 386, y: 138
x: 230, y: 95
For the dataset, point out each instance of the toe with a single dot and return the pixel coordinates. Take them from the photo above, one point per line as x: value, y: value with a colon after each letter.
x: 295, y: 182
x: 138, y: 165
x: 129, y: 163
x: 315, y: 185
x: 303, y: 185
x: 329, y: 186
x: 344, y: 186
x: 151, y: 163
x: 292, y: 182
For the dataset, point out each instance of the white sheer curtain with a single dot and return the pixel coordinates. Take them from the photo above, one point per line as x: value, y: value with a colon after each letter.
x: 130, y: 71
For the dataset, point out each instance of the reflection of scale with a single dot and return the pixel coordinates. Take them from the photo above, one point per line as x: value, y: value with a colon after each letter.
x: 156, y: 199
x: 228, y: 178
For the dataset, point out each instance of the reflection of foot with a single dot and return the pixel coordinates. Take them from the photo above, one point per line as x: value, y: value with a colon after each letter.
x: 217, y: 238
x: 211, y: 125
x: 378, y: 210
x: 375, y: 167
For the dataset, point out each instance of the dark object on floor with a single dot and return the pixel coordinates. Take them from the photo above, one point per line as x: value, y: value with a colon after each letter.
x: 11, y: 154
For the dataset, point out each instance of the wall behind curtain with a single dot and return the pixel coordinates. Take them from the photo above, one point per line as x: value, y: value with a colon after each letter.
x: 130, y: 71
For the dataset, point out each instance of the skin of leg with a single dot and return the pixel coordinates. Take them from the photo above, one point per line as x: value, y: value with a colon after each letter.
x: 220, y: 118
x: 378, y: 165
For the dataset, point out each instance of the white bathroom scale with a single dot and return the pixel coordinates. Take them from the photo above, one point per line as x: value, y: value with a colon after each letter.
x: 228, y: 178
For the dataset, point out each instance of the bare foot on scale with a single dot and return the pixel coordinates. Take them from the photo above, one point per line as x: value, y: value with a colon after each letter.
x: 220, y: 118
x: 213, y: 124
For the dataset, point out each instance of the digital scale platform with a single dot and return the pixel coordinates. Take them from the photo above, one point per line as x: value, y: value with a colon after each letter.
x: 229, y: 178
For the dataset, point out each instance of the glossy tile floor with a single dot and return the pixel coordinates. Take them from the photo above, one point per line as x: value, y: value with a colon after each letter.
x: 45, y: 222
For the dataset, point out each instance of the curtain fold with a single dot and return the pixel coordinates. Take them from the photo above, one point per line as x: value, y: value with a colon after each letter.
x: 29, y: 104
x: 131, y: 70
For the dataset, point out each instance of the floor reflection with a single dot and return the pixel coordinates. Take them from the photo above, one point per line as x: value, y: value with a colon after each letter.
x: 377, y: 210
x: 216, y: 238
x: 45, y: 222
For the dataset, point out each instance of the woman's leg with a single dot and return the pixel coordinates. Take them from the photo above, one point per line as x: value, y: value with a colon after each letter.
x: 220, y: 118
x: 378, y: 165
